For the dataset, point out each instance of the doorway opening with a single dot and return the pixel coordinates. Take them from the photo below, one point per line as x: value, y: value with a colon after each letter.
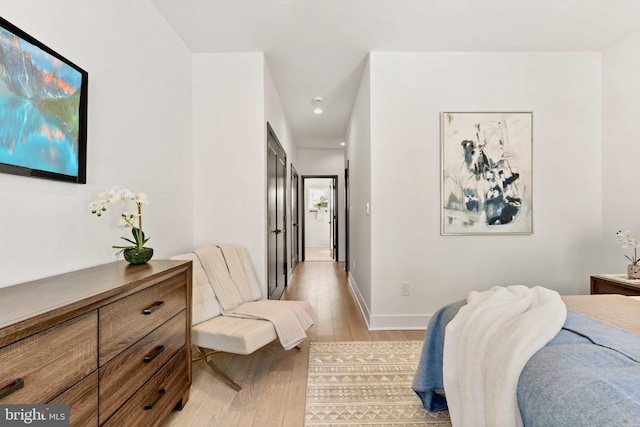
x: 319, y: 218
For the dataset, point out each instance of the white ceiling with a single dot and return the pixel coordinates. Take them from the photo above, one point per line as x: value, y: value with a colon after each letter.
x: 319, y: 47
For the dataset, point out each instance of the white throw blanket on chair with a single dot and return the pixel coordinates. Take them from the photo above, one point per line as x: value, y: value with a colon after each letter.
x: 486, y: 346
x: 229, y: 294
x: 231, y: 280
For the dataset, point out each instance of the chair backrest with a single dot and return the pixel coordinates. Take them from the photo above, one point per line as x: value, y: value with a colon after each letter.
x: 256, y: 293
x: 205, y: 304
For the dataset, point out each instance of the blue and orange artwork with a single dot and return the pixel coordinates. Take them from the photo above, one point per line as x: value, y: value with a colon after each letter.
x: 486, y: 183
x: 39, y: 108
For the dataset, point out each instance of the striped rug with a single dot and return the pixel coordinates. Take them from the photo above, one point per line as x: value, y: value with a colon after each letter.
x: 365, y: 383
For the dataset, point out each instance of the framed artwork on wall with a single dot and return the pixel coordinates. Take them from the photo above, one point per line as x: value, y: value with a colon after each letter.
x: 486, y: 173
x: 43, y: 110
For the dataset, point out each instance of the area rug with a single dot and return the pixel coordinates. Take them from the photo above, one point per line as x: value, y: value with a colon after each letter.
x: 365, y: 383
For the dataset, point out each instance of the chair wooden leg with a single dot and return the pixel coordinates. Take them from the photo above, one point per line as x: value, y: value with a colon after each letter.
x: 204, y: 355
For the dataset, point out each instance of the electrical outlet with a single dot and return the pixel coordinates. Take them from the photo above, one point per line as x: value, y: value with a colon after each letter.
x: 405, y: 289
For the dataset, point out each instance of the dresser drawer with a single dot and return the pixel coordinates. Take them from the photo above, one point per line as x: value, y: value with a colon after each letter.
x: 151, y: 404
x: 125, y: 321
x: 82, y: 399
x: 120, y: 377
x: 51, y: 361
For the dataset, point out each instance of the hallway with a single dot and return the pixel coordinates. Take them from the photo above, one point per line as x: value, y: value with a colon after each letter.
x: 274, y: 381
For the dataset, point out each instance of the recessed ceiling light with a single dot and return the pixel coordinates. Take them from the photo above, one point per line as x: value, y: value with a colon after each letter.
x: 343, y: 143
x: 317, y: 110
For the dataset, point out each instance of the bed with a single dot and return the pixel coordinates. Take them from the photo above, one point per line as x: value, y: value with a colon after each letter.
x: 588, y: 374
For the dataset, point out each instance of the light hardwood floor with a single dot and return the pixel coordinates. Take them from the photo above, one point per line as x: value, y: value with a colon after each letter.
x: 275, y: 380
x: 313, y: 253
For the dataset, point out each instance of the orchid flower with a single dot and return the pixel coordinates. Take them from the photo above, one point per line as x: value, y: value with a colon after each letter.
x: 625, y: 239
x: 127, y: 219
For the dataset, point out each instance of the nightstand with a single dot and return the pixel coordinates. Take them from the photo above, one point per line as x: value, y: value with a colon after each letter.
x: 614, y: 284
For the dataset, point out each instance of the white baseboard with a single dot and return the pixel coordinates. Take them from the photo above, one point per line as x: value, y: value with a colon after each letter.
x: 387, y: 322
x: 399, y: 321
x: 359, y: 299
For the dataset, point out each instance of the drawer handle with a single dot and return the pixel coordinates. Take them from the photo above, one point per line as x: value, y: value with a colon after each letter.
x: 153, y: 307
x: 149, y: 406
x: 149, y: 357
x: 12, y: 386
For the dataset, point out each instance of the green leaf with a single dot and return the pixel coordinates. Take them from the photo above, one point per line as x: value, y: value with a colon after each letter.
x: 128, y: 240
x: 136, y: 235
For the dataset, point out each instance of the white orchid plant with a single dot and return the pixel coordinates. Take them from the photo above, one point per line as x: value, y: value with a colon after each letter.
x: 132, y: 220
x: 628, y: 241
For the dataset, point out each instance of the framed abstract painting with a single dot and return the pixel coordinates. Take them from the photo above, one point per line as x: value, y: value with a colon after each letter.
x: 43, y: 110
x: 486, y: 173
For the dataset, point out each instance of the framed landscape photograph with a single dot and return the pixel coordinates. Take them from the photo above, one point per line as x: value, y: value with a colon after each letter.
x: 43, y: 110
x: 486, y: 168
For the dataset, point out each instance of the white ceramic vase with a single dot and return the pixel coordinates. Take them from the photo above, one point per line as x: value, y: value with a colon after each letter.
x: 633, y: 271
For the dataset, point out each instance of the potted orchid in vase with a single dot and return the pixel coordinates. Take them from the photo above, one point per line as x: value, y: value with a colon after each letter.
x: 136, y: 252
x: 627, y: 240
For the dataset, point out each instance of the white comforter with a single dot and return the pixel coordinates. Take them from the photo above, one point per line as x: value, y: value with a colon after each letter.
x: 486, y: 347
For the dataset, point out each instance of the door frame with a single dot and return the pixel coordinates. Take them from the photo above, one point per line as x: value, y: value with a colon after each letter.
x: 335, y: 223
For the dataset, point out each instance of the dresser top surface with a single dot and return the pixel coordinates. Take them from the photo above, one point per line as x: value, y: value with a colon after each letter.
x: 86, y: 286
x: 619, y: 278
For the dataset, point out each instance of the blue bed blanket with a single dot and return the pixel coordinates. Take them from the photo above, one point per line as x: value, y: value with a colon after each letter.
x: 588, y: 375
x: 427, y: 382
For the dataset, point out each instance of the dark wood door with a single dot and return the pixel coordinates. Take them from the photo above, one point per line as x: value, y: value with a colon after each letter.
x: 281, y: 222
x: 295, y: 215
x: 333, y: 219
x: 272, y: 227
x: 347, y: 203
x: 276, y: 216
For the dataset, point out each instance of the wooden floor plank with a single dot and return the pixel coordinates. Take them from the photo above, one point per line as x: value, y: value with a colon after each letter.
x: 273, y: 405
x: 256, y: 369
x: 236, y: 418
x: 275, y: 380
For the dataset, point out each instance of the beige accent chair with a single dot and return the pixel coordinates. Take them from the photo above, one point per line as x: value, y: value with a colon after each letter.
x: 212, y: 332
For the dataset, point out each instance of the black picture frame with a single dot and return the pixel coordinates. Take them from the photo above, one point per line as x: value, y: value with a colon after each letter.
x: 43, y: 110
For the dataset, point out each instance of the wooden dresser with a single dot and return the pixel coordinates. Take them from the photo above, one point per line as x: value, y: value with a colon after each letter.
x: 112, y: 341
x: 614, y: 284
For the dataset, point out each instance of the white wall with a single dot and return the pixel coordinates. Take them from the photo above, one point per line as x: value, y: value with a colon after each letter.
x: 327, y: 162
x: 359, y: 157
x: 229, y: 153
x: 620, y: 150
x: 233, y: 98
x: 408, y: 91
x: 139, y: 136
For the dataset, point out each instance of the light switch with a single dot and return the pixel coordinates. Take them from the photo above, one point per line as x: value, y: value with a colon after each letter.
x: 367, y: 208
